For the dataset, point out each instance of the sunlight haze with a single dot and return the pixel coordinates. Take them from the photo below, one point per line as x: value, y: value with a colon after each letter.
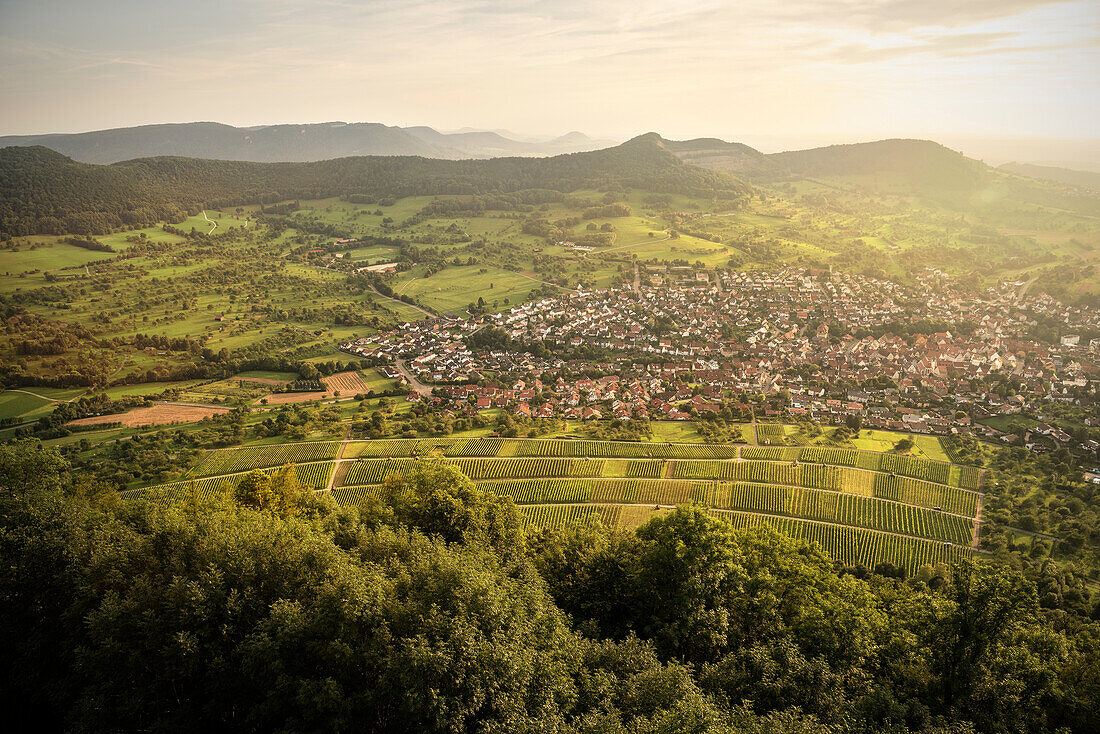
x: 864, y: 70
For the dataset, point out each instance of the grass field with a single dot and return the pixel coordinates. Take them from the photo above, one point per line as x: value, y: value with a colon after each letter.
x: 23, y: 405
x: 50, y: 255
x: 455, y: 288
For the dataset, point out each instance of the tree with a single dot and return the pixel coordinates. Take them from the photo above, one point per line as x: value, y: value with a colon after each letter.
x: 439, y: 500
x: 984, y: 606
x: 280, y: 492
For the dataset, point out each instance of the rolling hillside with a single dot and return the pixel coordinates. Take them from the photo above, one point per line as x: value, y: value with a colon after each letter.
x: 43, y: 192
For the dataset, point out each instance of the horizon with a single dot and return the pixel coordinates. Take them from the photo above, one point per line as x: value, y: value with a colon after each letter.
x: 1025, y: 69
x: 1073, y: 153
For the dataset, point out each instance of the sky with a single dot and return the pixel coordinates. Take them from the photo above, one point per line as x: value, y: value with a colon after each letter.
x: 787, y: 70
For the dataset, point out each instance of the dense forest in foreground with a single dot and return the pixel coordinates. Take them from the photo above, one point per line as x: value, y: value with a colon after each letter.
x: 427, y: 609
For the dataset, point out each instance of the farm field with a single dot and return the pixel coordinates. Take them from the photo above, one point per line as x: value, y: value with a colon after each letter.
x: 340, y: 385
x: 18, y: 404
x: 155, y: 415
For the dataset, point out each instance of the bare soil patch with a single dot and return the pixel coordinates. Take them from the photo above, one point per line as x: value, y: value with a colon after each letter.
x: 154, y: 415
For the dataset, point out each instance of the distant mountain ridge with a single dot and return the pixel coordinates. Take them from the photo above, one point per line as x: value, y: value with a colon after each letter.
x: 1073, y: 177
x: 292, y: 143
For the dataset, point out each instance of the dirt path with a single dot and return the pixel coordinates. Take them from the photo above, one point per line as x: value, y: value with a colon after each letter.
x: 339, y: 461
x: 43, y: 397
x: 1022, y: 293
x: 544, y: 282
x: 214, y: 225
x: 978, y: 522
x: 634, y: 244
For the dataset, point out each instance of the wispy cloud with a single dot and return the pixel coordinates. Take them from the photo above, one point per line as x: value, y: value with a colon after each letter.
x: 614, y: 66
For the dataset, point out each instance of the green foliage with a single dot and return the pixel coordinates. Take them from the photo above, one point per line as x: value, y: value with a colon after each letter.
x: 441, y: 501
x: 424, y: 610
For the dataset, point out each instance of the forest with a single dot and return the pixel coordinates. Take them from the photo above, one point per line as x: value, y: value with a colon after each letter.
x: 428, y: 608
x: 44, y: 192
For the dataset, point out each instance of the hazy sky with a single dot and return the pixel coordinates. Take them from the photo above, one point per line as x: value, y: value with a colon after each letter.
x: 851, y: 69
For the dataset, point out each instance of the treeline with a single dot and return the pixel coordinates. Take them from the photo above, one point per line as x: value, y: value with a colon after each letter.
x: 43, y: 192
x: 427, y: 608
x: 89, y: 243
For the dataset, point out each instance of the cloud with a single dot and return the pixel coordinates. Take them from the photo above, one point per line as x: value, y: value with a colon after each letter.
x: 611, y: 66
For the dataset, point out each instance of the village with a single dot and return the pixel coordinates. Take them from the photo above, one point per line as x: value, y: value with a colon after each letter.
x: 793, y: 344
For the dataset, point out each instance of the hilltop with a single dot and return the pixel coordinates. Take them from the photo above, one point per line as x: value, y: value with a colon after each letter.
x: 920, y: 162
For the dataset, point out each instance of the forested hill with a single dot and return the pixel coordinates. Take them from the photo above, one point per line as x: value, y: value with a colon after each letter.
x: 920, y: 162
x: 915, y: 162
x: 43, y: 192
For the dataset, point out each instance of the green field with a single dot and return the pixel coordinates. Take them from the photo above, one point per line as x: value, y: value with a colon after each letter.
x: 23, y: 405
x: 47, y: 254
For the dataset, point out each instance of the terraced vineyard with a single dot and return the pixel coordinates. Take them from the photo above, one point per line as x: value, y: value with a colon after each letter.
x: 228, y: 461
x: 795, y: 502
x: 851, y: 546
x: 862, y: 506
x: 314, y: 475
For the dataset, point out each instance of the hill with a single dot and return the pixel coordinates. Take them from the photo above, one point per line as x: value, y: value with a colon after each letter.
x: 920, y: 162
x: 719, y: 155
x: 291, y: 143
x: 1087, y: 179
x: 44, y: 192
x: 914, y: 162
x: 224, y: 142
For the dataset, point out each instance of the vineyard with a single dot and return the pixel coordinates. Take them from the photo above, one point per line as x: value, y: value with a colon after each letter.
x: 228, y: 461
x: 848, y: 545
x: 314, y: 475
x: 861, y: 506
x: 795, y: 502
x: 537, y: 448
